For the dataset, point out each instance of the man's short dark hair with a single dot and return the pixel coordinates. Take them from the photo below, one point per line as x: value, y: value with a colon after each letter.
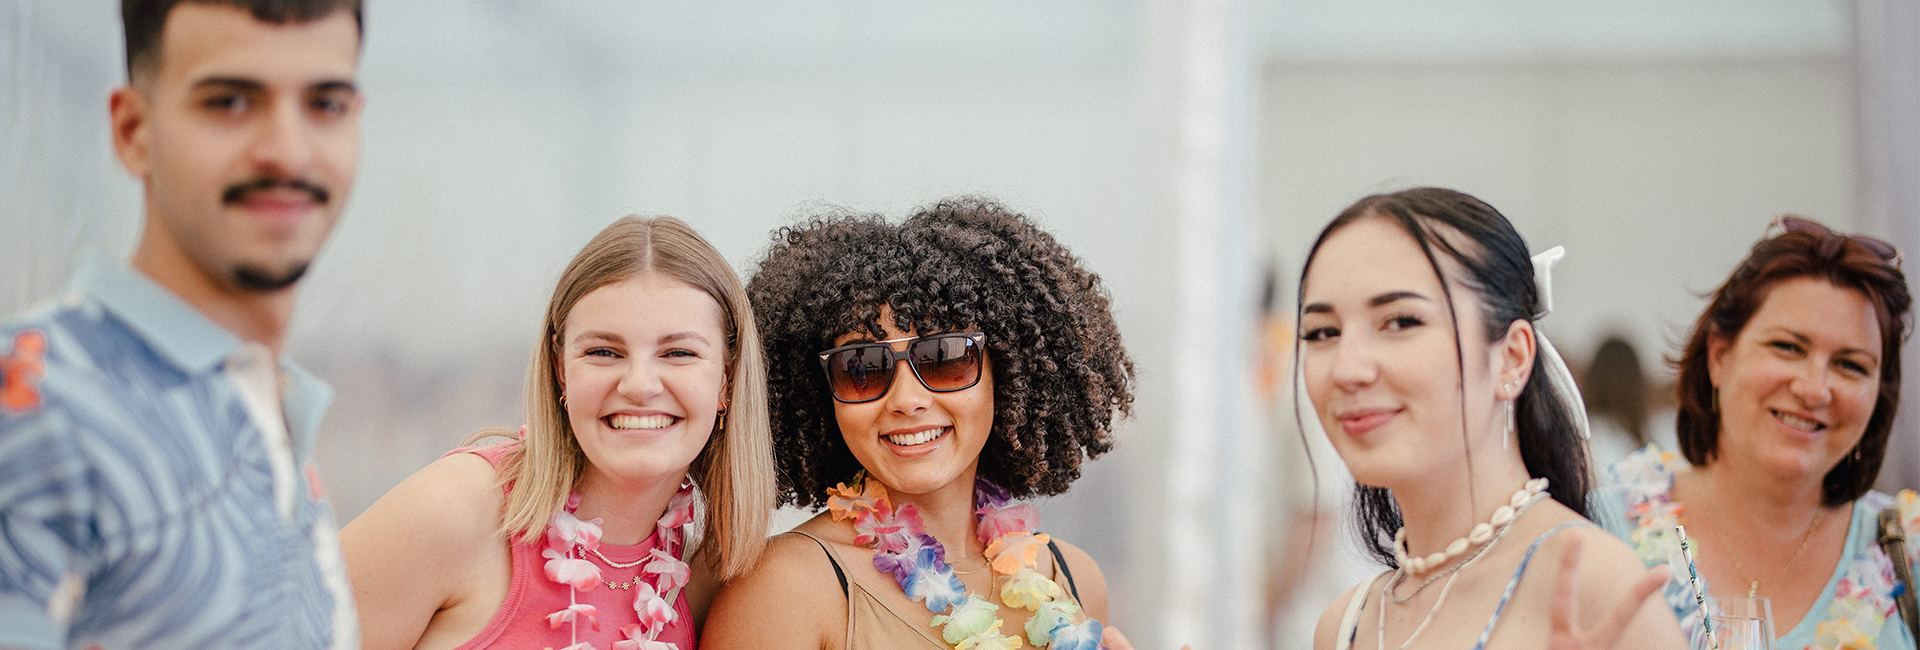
x: 146, y: 19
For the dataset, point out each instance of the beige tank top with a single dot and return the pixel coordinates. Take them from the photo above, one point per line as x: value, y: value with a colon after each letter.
x: 872, y: 624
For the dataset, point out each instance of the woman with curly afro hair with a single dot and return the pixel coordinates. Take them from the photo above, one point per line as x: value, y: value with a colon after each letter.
x: 923, y: 375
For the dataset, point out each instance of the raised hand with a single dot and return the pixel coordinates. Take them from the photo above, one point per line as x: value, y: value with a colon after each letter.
x: 1566, y: 634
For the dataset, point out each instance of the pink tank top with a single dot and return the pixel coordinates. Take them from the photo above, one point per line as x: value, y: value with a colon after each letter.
x: 522, y: 619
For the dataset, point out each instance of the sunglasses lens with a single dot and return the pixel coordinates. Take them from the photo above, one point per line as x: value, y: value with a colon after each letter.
x: 1796, y: 224
x: 947, y: 363
x: 860, y: 374
x: 1885, y: 250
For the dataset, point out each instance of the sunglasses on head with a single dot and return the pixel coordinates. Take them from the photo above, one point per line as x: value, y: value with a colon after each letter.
x: 1887, y: 252
x: 943, y: 363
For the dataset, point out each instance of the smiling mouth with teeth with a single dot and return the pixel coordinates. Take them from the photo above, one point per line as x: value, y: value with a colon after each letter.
x: 641, y: 421
x: 1798, y: 422
x: 918, y: 438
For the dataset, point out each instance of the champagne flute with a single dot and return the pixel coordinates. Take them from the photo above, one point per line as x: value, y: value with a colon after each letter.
x: 1740, y: 623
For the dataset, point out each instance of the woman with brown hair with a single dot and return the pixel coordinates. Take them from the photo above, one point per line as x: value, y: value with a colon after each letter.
x: 1788, y: 386
x: 646, y: 403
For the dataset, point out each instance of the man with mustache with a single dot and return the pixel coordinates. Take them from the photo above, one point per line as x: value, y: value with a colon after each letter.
x: 157, y: 486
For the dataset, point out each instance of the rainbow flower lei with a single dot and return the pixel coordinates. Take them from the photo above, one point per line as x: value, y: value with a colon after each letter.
x: 569, y: 540
x: 1863, y: 598
x: 916, y: 560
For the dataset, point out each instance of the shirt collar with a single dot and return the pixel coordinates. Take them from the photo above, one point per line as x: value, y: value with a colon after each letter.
x: 304, y: 398
x: 194, y: 343
x: 178, y: 332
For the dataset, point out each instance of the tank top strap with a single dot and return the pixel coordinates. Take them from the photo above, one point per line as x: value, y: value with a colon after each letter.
x: 1060, y: 565
x: 1514, y: 582
x: 832, y: 558
x: 1350, y: 621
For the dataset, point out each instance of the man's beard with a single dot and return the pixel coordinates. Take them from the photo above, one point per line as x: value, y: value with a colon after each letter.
x: 257, y: 279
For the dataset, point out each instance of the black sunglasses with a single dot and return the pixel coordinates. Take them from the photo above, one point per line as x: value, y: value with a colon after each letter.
x: 943, y: 363
x: 1887, y: 252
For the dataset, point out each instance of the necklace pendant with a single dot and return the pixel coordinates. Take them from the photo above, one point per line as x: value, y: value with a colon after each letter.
x: 1753, y: 590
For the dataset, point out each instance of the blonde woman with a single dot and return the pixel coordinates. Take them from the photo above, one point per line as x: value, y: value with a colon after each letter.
x: 646, y: 397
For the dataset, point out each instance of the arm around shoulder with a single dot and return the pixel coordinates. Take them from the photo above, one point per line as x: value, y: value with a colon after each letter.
x: 791, y: 599
x: 410, y: 553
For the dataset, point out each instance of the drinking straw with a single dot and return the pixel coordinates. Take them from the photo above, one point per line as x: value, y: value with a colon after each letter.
x: 1693, y: 579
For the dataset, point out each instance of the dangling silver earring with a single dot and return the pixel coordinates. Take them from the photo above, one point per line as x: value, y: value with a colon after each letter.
x: 1508, y: 438
x: 1513, y: 399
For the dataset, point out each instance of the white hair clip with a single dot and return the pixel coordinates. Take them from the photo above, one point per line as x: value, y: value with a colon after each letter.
x: 1559, y: 377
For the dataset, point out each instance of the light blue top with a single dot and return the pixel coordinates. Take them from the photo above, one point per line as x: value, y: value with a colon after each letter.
x: 1636, y: 506
x: 137, y: 504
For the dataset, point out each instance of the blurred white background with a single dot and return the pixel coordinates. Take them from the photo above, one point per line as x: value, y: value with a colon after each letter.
x: 1178, y: 146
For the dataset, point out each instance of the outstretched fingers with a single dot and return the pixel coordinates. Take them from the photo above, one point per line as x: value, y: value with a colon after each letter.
x: 1566, y: 633
x: 1623, y: 611
x: 1566, y: 611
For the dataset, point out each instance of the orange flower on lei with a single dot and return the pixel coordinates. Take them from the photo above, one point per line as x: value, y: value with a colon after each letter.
x: 849, y: 503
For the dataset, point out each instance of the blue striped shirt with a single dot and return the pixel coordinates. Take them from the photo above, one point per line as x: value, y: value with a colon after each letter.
x: 137, y: 487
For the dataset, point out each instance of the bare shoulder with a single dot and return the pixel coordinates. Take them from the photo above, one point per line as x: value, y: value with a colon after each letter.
x: 1326, y: 632
x: 453, y: 502
x: 1086, y: 577
x: 432, y: 542
x: 791, y: 598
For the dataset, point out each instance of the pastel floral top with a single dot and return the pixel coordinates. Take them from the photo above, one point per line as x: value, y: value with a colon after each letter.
x: 1856, y: 611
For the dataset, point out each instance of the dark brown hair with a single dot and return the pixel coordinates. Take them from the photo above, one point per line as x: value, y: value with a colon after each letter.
x: 1832, y: 257
x: 1500, y: 274
x: 1059, y: 371
x: 146, y: 20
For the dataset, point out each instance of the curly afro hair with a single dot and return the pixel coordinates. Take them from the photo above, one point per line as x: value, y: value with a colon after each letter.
x: 1059, y: 371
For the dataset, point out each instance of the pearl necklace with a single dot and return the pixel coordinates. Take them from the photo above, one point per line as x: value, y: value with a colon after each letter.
x: 1480, y: 534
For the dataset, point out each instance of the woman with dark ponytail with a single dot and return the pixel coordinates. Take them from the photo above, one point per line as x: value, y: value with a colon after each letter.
x: 1465, y: 434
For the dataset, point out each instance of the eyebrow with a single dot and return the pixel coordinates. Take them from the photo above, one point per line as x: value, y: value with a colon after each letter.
x: 599, y: 334
x: 231, y: 83
x: 684, y: 336
x: 249, y: 85
x: 1377, y: 301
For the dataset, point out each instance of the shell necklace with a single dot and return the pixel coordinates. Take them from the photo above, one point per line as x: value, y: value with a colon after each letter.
x: 1480, y: 538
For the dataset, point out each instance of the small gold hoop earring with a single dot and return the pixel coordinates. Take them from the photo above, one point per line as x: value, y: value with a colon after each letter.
x: 563, y: 402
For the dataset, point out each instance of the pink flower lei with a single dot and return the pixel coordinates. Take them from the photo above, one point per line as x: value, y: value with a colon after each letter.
x: 917, y: 561
x: 568, y: 541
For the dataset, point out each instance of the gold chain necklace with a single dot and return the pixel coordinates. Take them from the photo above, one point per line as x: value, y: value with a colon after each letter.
x: 1753, y: 586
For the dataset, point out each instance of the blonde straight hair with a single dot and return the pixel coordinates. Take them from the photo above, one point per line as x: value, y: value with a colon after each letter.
x: 734, y: 473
